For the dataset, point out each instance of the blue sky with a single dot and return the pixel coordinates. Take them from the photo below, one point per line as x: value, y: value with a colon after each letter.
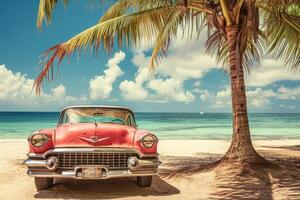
x: 186, y: 81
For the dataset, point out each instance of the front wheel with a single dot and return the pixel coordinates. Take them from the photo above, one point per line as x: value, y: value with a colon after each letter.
x: 42, y: 183
x: 144, y: 181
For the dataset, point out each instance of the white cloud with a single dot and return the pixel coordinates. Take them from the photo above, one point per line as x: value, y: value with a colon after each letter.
x: 14, y: 86
x: 260, y: 97
x: 188, y: 65
x: 167, y: 84
x: 223, y: 97
x: 286, y: 93
x: 206, y: 96
x: 255, y: 98
x: 130, y: 90
x: 134, y: 90
x: 197, y: 84
x: 59, y: 92
x: 102, y: 85
x: 156, y: 88
x: 271, y: 71
x: 292, y: 107
x: 16, y: 89
x: 170, y: 89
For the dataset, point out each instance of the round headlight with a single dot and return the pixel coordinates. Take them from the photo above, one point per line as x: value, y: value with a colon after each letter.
x: 148, y: 141
x: 38, y: 139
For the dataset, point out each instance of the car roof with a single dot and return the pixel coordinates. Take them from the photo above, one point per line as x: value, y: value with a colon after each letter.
x: 98, y: 106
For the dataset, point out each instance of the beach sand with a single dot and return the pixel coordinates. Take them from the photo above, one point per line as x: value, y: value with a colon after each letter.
x: 183, y: 175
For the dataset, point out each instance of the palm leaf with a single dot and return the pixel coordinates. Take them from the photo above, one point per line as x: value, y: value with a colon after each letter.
x: 283, y: 37
x: 162, y: 41
x: 249, y: 49
x: 45, y: 11
x: 122, y: 7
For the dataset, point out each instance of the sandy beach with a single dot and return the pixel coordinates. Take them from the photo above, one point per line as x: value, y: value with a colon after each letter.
x: 183, y: 175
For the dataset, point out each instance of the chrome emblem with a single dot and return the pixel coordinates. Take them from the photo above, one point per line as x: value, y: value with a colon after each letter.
x: 94, y: 139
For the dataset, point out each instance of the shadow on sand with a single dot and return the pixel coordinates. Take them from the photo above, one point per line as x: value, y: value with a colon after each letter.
x: 106, y: 189
x: 293, y: 148
x: 185, y: 166
x: 280, y: 181
x: 266, y: 184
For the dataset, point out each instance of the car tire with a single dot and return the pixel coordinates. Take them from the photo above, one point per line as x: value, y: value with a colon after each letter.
x: 42, y: 183
x: 144, y: 181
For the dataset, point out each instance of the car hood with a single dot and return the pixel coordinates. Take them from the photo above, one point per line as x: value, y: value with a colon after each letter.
x: 94, y: 135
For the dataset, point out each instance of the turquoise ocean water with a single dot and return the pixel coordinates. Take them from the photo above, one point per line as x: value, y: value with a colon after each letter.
x: 17, y: 125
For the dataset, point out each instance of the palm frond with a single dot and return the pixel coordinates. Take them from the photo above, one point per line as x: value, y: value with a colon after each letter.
x: 253, y: 52
x: 163, y: 39
x: 45, y: 11
x: 131, y: 27
x: 122, y: 7
x: 216, y: 46
x: 278, y: 5
x: 249, y: 50
x: 283, y: 35
x: 189, y: 16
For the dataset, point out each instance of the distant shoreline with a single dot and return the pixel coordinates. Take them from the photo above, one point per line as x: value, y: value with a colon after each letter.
x: 168, y: 126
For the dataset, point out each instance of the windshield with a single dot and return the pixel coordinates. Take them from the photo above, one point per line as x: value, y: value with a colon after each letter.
x: 97, y: 115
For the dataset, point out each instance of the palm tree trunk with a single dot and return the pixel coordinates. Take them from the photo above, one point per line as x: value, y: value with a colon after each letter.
x: 241, y: 149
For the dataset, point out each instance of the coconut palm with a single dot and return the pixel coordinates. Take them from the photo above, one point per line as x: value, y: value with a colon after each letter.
x: 238, y: 33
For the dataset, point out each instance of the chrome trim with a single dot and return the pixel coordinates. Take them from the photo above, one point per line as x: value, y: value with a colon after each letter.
x: 151, y: 134
x: 94, y: 139
x: 144, y: 168
x: 35, y: 163
x: 52, y: 163
x: 110, y: 174
x: 142, y: 163
x: 45, y: 137
x: 82, y: 150
x: 114, y: 160
x: 132, y: 159
x: 149, y: 163
x: 140, y: 139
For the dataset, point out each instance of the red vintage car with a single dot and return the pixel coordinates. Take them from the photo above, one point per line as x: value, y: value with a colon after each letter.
x: 92, y: 142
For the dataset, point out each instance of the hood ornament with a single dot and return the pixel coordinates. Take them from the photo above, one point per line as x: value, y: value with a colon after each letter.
x: 93, y: 139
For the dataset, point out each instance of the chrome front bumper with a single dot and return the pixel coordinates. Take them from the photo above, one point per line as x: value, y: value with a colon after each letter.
x: 73, y: 174
x: 37, y: 167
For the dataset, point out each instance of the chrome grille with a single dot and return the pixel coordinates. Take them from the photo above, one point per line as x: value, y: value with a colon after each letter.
x: 113, y: 160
